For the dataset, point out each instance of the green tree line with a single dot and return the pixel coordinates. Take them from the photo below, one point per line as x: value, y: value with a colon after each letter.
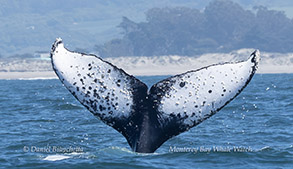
x: 221, y: 27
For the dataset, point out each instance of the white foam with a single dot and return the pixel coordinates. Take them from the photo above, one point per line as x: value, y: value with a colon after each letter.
x: 56, y: 157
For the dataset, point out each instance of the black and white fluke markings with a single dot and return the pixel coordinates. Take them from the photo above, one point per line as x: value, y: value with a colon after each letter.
x: 148, y: 118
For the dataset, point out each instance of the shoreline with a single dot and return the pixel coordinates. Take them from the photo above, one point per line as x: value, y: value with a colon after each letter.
x: 136, y: 72
x: 271, y: 63
x: 27, y: 75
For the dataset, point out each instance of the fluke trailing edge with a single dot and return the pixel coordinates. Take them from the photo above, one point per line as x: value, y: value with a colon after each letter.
x: 148, y: 118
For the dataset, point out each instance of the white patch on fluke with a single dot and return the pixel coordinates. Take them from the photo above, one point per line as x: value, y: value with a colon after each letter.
x: 98, y: 85
x: 196, y: 95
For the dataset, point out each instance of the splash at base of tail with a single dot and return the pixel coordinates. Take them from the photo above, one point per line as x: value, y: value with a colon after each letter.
x: 148, y: 118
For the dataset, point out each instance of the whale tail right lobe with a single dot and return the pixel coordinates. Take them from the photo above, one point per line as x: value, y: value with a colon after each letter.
x: 184, y: 101
x: 149, y: 118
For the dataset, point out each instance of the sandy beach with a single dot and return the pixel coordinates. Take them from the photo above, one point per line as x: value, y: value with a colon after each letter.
x: 28, y: 75
x: 138, y: 72
x: 272, y: 63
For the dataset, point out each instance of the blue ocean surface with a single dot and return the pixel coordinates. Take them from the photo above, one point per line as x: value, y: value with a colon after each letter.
x: 43, y: 126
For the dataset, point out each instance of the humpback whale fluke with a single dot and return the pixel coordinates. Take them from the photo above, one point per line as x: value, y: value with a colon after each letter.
x: 148, y: 118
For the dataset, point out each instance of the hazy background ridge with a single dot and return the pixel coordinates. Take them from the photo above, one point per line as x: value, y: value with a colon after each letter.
x: 31, y: 26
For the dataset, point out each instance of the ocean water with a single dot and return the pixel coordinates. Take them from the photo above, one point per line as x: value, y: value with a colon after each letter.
x: 43, y: 126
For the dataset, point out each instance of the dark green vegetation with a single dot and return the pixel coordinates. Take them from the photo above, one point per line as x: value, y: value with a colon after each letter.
x: 221, y: 27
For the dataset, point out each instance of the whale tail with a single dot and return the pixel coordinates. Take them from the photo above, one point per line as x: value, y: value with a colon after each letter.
x: 148, y: 118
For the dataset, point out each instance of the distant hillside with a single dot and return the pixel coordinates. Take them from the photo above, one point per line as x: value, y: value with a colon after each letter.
x: 32, y: 25
x: 222, y: 26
